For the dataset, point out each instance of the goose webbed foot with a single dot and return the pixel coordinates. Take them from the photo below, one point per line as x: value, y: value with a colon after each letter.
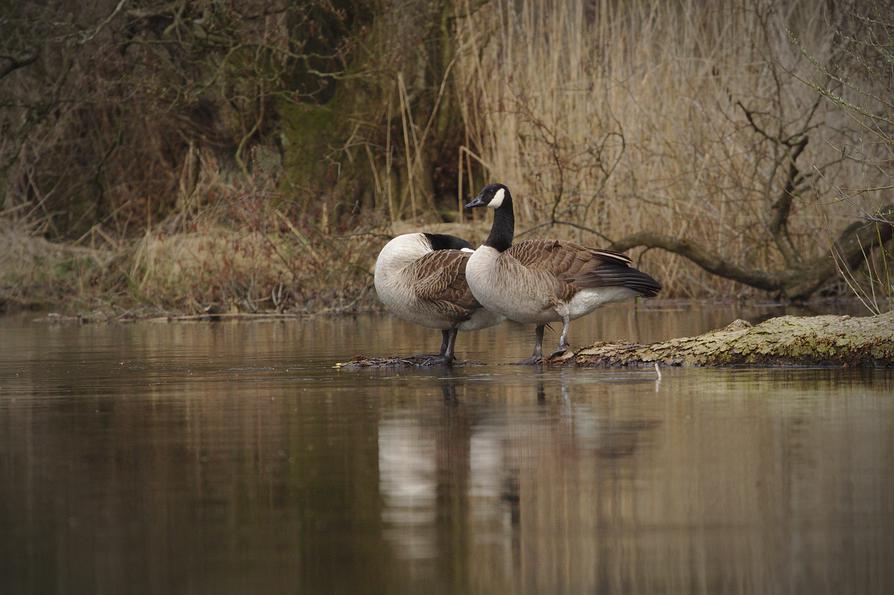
x: 530, y: 361
x: 446, y: 357
x: 537, y: 356
x: 560, y: 350
x: 563, y: 340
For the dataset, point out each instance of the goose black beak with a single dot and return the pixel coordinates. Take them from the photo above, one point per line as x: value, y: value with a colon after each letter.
x: 478, y: 201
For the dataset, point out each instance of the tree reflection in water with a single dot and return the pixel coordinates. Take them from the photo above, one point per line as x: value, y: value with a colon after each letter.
x: 232, y: 458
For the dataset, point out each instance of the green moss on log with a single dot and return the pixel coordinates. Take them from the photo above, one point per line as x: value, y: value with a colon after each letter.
x: 784, y: 341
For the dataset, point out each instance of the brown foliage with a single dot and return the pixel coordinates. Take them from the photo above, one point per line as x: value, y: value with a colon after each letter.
x: 126, y: 125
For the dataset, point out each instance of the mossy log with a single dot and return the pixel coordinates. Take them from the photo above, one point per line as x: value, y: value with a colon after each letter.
x: 785, y: 341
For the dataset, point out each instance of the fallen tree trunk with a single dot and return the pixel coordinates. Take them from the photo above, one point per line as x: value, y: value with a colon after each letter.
x: 797, y: 281
x: 784, y: 341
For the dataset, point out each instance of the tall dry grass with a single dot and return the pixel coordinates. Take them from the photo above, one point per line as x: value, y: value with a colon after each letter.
x: 234, y: 247
x: 605, y: 117
x: 631, y: 116
x: 31, y: 266
x: 248, y: 251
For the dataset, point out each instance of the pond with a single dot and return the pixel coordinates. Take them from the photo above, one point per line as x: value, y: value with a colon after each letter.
x: 232, y: 457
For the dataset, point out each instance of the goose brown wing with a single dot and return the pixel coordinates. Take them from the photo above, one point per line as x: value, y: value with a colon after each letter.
x: 564, y: 259
x: 576, y: 267
x: 441, y: 280
x: 554, y: 261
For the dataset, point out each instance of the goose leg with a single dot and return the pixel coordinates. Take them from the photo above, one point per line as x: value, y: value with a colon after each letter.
x: 445, y: 340
x: 427, y: 358
x: 563, y: 340
x: 537, y: 356
x: 451, y: 344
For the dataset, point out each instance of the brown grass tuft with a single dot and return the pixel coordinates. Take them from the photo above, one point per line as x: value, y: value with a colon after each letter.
x: 31, y: 266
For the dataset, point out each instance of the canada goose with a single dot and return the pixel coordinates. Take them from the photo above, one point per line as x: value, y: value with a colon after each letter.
x: 420, y: 277
x: 541, y: 281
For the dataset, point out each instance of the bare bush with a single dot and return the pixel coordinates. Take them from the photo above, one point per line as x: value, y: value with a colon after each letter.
x: 859, y: 82
x: 107, y: 110
x: 241, y: 138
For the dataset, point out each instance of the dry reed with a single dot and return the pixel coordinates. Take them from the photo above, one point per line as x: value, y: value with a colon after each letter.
x: 238, y: 254
x: 604, y: 117
x: 630, y: 116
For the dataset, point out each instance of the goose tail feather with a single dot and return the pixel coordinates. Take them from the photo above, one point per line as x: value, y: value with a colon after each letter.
x: 617, y: 275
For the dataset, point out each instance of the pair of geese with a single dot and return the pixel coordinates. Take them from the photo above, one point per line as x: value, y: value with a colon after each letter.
x: 439, y: 282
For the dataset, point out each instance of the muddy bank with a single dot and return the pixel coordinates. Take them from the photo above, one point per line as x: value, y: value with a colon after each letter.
x: 784, y: 341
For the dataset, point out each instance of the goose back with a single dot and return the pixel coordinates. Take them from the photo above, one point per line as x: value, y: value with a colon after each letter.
x: 428, y: 287
x: 540, y: 280
x: 440, y: 284
x: 577, y: 267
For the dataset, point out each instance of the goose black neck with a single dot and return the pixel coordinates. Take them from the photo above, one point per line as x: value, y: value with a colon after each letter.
x: 440, y: 241
x: 503, y: 228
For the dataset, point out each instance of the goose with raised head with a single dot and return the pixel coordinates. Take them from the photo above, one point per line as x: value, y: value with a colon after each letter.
x: 541, y: 281
x: 420, y: 278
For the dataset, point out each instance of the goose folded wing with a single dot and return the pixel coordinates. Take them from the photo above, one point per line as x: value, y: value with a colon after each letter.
x: 571, y: 265
x: 441, y: 280
x: 564, y: 259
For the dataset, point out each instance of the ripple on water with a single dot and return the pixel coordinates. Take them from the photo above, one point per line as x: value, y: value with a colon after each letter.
x: 232, y: 458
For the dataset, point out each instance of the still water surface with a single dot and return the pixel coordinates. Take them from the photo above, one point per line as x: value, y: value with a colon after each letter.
x: 232, y: 458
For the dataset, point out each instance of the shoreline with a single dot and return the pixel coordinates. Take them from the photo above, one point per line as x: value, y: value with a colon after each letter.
x: 368, y: 304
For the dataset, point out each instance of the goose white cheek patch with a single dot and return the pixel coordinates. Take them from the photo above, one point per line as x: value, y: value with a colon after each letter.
x: 497, y: 200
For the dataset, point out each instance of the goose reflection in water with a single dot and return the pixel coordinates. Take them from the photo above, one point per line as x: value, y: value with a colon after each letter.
x: 470, y: 474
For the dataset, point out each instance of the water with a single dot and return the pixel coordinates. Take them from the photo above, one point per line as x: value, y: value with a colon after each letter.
x: 232, y: 458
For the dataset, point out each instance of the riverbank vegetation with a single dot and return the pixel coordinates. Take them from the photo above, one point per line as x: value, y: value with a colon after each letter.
x: 251, y: 156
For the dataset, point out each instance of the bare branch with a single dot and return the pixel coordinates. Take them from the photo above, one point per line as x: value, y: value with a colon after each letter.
x: 706, y: 259
x: 85, y: 37
x: 13, y: 63
x: 851, y: 249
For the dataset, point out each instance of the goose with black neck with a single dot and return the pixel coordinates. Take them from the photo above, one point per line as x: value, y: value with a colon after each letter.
x: 420, y: 278
x: 542, y: 281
